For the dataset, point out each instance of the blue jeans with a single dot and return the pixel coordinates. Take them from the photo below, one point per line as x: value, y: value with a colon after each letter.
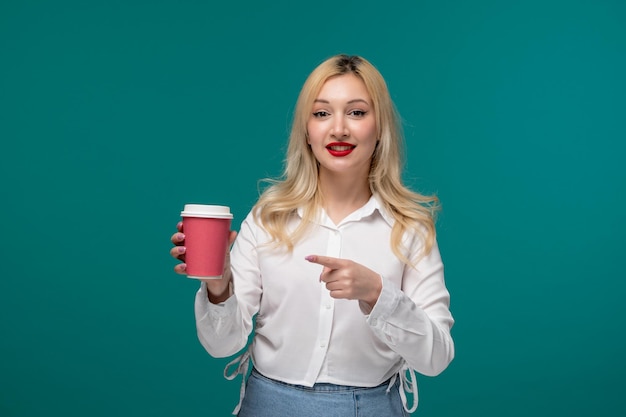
x: 266, y: 397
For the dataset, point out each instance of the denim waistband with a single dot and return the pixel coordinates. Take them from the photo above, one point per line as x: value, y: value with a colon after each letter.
x: 322, y: 386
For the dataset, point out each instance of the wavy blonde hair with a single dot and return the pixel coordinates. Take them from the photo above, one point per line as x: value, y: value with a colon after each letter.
x: 298, y: 186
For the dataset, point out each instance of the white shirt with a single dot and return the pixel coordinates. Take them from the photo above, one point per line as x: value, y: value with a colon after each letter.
x: 304, y: 336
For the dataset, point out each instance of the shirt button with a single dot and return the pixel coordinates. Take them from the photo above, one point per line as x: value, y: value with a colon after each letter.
x: 374, y: 322
x: 323, y: 343
x: 328, y: 306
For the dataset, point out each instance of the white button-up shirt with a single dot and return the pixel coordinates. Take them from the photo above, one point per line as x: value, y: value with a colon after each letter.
x: 303, y: 335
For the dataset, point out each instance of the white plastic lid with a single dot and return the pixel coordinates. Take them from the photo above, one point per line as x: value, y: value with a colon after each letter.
x: 203, y: 210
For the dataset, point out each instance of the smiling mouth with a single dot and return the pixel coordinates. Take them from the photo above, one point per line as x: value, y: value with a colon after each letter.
x: 340, y: 148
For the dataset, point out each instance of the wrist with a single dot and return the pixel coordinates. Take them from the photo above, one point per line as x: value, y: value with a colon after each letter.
x: 218, y: 293
x: 373, y: 299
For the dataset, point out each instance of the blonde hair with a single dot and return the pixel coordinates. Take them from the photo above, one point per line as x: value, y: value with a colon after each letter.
x: 298, y: 186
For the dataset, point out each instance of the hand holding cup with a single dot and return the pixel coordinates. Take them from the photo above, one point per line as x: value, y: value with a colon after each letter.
x: 202, y: 243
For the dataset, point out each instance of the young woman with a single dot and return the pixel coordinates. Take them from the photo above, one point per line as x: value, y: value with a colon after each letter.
x: 336, y: 267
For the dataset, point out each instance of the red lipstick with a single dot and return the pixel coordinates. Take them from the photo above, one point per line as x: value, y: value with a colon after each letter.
x: 340, y: 148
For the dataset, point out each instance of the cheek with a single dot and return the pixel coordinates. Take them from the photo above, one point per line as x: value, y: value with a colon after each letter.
x: 368, y: 131
x: 313, y: 133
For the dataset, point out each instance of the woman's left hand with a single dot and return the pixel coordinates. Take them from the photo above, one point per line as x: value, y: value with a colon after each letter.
x: 347, y: 279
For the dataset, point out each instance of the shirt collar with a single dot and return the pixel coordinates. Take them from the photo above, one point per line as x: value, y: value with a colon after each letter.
x: 376, y: 204
x: 372, y: 205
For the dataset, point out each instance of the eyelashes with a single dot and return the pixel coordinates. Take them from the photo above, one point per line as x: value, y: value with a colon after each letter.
x: 355, y: 113
x: 320, y: 114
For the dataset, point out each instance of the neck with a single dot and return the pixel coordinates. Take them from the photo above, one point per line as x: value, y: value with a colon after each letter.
x: 342, y: 196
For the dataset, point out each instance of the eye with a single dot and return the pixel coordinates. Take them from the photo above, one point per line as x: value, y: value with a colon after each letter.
x: 358, y: 113
x: 320, y: 114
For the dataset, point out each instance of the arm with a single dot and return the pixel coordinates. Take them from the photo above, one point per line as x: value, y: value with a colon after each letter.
x: 223, y: 328
x: 415, y: 320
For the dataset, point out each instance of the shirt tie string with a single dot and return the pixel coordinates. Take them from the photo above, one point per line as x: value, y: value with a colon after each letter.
x: 243, y: 363
x: 407, y: 384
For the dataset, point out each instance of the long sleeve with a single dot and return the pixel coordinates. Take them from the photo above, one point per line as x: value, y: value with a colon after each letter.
x: 415, y: 320
x: 223, y: 329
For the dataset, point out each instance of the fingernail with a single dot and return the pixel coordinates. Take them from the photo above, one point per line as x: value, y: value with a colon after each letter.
x: 309, y: 257
x: 181, y: 249
x: 181, y: 237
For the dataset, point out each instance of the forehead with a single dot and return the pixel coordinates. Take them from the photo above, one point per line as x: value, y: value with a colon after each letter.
x: 345, y: 86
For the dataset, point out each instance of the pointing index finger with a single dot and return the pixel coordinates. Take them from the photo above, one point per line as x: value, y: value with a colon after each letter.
x: 327, y: 261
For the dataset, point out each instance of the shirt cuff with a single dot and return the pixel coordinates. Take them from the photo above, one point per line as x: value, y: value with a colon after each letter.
x: 387, y: 303
x: 216, y: 312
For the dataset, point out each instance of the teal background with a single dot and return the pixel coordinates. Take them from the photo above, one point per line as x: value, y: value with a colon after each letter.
x: 114, y: 114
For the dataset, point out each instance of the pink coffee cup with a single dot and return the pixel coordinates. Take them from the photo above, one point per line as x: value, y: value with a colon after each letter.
x: 206, y: 230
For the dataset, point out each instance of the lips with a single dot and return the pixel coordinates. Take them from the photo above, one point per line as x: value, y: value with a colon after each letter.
x: 340, y: 148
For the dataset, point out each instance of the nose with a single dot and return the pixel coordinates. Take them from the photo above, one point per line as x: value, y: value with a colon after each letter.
x: 340, y: 128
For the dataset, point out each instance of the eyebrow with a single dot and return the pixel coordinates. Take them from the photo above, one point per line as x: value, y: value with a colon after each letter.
x: 356, y: 100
